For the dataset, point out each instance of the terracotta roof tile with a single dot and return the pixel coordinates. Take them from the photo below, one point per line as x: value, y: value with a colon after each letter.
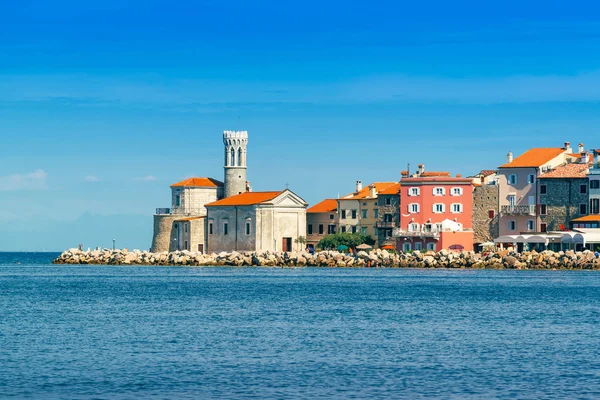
x: 365, y: 192
x: 392, y: 190
x: 587, y: 218
x: 199, y: 182
x: 431, y: 174
x: 535, y: 157
x: 487, y: 172
x: 574, y: 170
x: 326, y: 206
x: 245, y: 199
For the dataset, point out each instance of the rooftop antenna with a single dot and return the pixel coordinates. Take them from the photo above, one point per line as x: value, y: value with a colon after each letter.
x: 287, y: 185
x: 408, y: 169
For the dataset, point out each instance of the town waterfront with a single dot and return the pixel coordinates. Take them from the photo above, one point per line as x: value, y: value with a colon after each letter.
x: 184, y: 332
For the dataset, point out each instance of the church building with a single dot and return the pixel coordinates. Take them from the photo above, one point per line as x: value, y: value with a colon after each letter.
x: 208, y: 215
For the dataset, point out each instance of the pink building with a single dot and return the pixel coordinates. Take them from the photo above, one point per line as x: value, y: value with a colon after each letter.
x: 435, y: 213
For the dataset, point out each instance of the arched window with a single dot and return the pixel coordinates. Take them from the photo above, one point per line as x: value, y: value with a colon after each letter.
x: 240, y: 157
x: 232, y: 158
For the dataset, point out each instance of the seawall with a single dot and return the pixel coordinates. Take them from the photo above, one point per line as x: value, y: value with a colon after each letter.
x: 375, y: 258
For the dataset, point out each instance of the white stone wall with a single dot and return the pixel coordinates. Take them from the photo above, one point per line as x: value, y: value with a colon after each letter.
x: 193, y: 199
x: 269, y: 225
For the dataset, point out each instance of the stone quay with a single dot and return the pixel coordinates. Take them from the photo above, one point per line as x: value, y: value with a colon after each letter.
x: 333, y: 259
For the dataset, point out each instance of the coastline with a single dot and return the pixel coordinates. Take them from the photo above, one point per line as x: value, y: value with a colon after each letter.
x: 333, y: 259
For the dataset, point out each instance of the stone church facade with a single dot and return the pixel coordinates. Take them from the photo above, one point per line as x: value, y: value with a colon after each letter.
x: 208, y: 215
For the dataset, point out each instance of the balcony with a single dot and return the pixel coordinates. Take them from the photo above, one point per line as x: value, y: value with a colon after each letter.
x: 181, y: 211
x: 383, y: 224
x: 518, y: 210
x: 398, y: 232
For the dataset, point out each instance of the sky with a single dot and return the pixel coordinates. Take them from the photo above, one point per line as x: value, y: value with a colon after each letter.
x: 104, y: 104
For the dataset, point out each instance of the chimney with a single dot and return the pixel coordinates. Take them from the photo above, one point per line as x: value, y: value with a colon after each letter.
x: 421, y: 169
x: 509, y: 157
x: 585, y: 159
x: 458, y: 175
x: 580, y: 147
x: 372, y: 191
x: 404, y: 174
x: 568, y: 147
x: 358, y: 186
x: 248, y: 187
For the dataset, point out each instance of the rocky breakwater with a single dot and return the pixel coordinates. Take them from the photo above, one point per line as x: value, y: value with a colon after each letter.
x: 375, y: 258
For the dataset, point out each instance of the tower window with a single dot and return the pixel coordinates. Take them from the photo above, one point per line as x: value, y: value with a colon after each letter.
x: 232, y: 157
x: 239, y: 157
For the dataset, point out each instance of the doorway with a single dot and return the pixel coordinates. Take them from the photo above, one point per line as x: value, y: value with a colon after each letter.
x: 287, y: 244
x: 201, y: 248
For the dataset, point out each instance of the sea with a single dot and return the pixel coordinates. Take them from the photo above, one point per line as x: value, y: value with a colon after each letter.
x: 131, y: 332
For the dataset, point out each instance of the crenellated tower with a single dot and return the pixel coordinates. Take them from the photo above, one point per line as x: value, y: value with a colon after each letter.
x: 235, y: 143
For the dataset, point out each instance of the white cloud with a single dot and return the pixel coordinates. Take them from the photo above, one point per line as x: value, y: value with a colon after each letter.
x: 147, y: 178
x: 91, y: 178
x: 35, y: 180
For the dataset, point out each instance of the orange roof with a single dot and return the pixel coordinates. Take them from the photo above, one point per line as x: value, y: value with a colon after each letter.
x: 327, y: 205
x: 365, y: 192
x: 567, y: 171
x: 189, y: 219
x: 429, y: 174
x: 535, y: 157
x: 587, y: 218
x: 199, y: 182
x: 245, y: 199
x: 394, y: 189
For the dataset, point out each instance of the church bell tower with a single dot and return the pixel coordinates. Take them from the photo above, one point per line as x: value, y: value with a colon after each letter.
x: 235, y: 161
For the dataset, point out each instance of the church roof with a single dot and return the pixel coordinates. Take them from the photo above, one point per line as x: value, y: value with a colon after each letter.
x: 245, y: 199
x: 199, y: 182
x: 327, y: 205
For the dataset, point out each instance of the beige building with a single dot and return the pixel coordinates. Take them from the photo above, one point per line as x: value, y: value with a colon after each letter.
x: 359, y: 211
x: 518, y: 192
x: 254, y: 221
x: 173, y: 226
x: 321, y: 219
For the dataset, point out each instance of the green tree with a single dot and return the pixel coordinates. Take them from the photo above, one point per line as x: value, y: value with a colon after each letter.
x: 301, y: 240
x: 351, y: 240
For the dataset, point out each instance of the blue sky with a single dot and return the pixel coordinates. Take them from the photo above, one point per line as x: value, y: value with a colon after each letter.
x: 104, y: 104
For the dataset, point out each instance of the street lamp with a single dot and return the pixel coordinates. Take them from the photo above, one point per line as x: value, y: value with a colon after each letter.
x: 114, y: 240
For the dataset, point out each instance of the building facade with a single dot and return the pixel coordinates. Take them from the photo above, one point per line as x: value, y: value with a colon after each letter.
x: 563, y: 195
x: 358, y: 212
x: 435, y: 214
x: 388, y: 203
x: 519, y: 190
x: 485, y: 213
x: 257, y: 221
x: 321, y: 219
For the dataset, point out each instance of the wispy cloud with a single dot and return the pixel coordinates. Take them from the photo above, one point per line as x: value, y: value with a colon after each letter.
x: 91, y: 178
x: 200, y: 96
x: 35, y: 180
x: 147, y: 178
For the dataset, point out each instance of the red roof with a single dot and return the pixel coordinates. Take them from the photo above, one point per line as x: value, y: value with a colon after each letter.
x: 568, y: 171
x: 199, y: 182
x: 587, y: 218
x: 394, y: 189
x: 535, y: 157
x: 326, y: 206
x: 365, y: 193
x: 430, y: 174
x: 245, y: 199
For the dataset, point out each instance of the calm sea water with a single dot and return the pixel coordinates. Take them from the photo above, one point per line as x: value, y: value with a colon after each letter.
x: 83, y: 332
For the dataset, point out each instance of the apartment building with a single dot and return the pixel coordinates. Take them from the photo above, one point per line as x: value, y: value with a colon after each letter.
x: 321, y: 219
x: 436, y: 212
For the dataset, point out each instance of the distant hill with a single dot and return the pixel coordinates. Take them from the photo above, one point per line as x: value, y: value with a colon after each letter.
x: 37, y: 234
